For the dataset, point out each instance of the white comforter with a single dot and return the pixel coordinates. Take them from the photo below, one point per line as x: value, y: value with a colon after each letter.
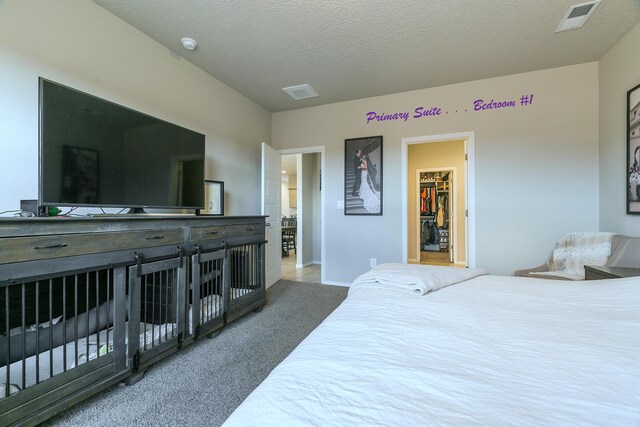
x: 491, y: 351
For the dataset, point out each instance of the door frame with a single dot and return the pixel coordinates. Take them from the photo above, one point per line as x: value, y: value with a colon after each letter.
x: 470, y: 189
x: 453, y: 254
x: 310, y: 150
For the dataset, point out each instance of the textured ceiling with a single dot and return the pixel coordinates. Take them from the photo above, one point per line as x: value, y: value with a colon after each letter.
x: 351, y: 49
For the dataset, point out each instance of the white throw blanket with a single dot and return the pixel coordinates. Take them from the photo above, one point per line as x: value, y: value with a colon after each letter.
x: 413, y: 278
x: 574, y: 251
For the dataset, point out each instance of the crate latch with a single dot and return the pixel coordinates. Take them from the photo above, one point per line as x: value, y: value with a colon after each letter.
x: 198, y: 252
x: 136, y: 361
x: 139, y: 258
x: 179, y: 341
x: 180, y: 253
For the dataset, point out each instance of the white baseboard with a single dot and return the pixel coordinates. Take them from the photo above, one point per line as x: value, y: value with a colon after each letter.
x: 306, y: 264
x: 330, y: 282
x: 316, y: 262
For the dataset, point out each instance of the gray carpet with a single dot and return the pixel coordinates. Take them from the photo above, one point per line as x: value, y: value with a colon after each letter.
x: 202, y: 384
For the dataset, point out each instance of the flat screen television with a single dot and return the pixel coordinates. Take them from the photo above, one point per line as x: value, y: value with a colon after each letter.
x: 96, y: 153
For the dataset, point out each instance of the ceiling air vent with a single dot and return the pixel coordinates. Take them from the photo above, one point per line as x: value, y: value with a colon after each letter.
x: 577, y: 15
x: 300, y: 92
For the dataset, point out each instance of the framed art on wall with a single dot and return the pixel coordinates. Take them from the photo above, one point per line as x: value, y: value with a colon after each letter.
x: 363, y: 176
x: 213, y: 197
x: 633, y: 151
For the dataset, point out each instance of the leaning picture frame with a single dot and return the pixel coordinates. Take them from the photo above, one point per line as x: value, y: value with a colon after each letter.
x: 363, y: 176
x: 213, y: 198
x: 633, y: 151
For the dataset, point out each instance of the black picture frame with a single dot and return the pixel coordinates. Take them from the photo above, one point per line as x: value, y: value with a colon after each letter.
x: 213, y: 198
x: 370, y: 159
x: 633, y: 151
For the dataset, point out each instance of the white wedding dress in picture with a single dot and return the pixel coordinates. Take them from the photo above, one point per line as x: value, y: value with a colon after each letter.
x: 370, y: 197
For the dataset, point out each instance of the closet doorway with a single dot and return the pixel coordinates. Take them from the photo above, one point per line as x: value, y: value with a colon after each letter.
x: 436, y: 216
x: 439, y: 200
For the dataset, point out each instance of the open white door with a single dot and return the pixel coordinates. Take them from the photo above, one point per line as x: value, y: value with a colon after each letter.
x: 271, y: 193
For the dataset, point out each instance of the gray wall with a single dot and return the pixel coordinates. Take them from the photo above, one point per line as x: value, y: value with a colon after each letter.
x: 536, y: 165
x: 619, y: 72
x: 81, y: 45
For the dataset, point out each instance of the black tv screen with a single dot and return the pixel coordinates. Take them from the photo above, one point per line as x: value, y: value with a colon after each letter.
x: 94, y: 152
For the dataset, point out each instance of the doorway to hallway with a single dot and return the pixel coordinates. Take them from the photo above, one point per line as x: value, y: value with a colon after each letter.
x: 290, y: 271
x: 302, y: 213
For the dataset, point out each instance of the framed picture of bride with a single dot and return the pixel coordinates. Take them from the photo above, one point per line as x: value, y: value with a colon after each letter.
x: 363, y: 176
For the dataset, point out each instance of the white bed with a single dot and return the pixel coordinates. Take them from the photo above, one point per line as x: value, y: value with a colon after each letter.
x: 487, y: 351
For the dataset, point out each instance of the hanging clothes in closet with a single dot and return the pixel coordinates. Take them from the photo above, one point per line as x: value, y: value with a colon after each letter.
x: 429, y: 234
x: 424, y: 201
x: 434, y: 196
x: 443, y: 211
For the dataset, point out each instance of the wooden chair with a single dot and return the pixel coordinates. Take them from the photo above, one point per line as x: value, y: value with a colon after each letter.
x: 289, y: 240
x: 289, y: 222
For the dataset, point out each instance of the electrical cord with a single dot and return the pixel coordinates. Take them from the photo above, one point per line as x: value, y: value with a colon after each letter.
x: 68, y: 212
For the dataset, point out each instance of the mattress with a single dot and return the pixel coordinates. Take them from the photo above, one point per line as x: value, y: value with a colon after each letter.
x: 487, y: 351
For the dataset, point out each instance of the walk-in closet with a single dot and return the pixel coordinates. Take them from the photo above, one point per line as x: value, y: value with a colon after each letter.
x: 435, y: 215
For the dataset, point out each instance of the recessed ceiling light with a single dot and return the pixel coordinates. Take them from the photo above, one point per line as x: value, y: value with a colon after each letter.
x: 284, y: 171
x: 189, y: 43
x: 300, y: 91
x: 577, y: 15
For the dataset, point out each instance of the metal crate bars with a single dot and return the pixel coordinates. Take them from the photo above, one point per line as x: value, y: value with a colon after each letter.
x: 157, y: 308
x: 53, y: 324
x: 247, y: 281
x: 206, y: 311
